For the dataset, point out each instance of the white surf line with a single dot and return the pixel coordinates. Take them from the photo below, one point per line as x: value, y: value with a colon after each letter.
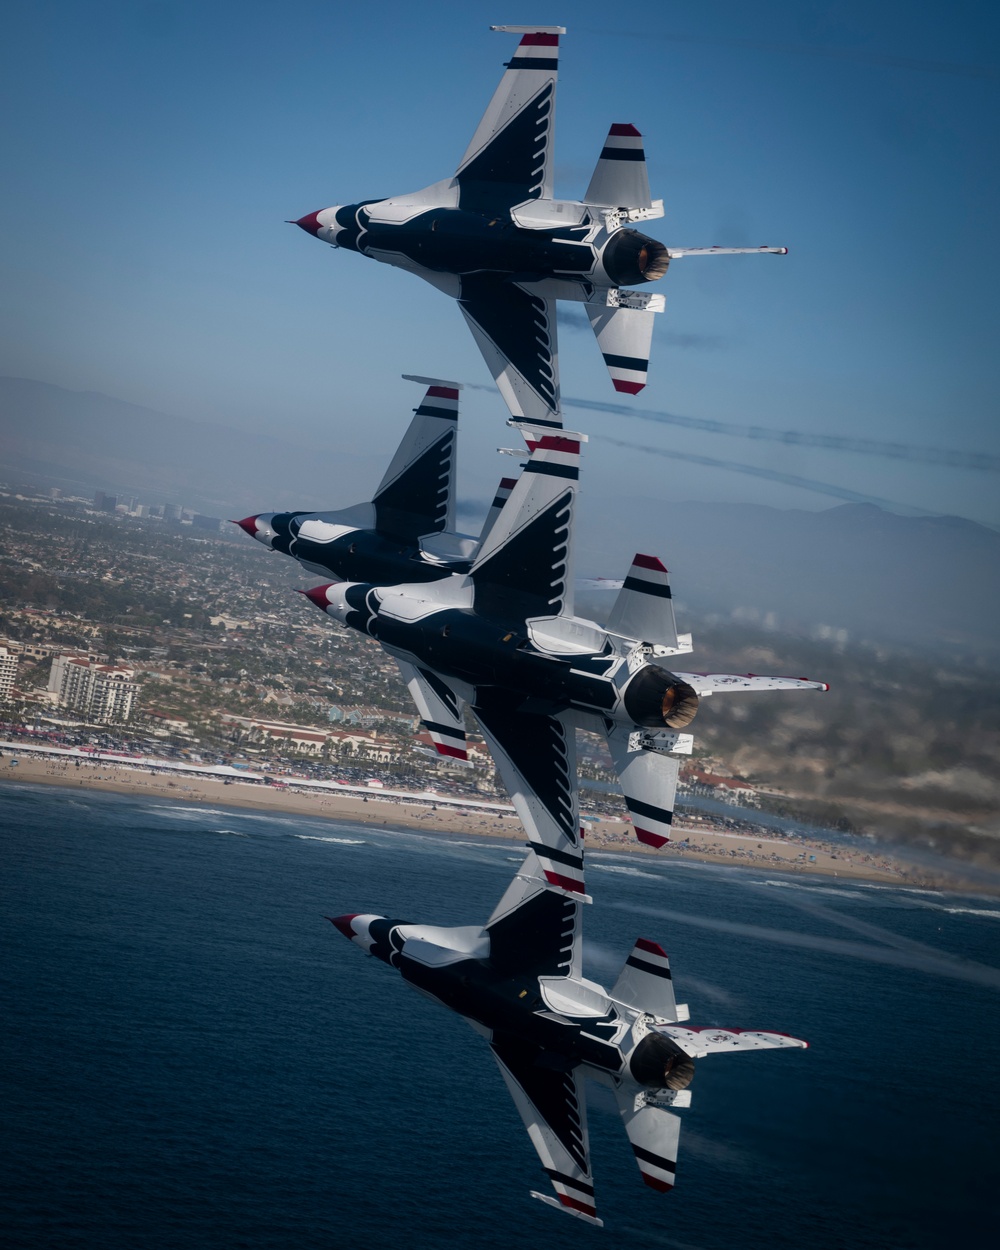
x: 217, y: 772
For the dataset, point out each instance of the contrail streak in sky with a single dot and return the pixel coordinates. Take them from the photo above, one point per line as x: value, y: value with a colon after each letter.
x: 772, y: 475
x: 947, y: 456
x: 799, y: 438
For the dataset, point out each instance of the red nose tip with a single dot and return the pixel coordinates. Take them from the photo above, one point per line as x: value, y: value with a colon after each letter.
x: 343, y: 923
x: 318, y: 596
x: 248, y: 525
x: 309, y: 223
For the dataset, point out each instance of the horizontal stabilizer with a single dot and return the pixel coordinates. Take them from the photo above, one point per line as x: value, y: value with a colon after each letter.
x: 718, y: 683
x: 644, y: 609
x: 649, y: 782
x: 699, y: 1042
x: 645, y: 982
x: 416, y: 496
x: 620, y: 179
x: 655, y: 1136
x: 624, y: 336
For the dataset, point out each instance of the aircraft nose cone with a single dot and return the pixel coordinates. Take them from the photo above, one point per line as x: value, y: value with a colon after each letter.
x: 248, y: 525
x: 309, y: 223
x: 318, y: 596
x: 343, y: 924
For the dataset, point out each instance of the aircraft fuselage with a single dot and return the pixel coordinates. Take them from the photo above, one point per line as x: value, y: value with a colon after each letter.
x: 463, y: 243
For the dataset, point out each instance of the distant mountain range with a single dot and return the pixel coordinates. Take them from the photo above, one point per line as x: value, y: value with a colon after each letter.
x: 926, y: 581
x: 932, y: 582
x: 84, y: 441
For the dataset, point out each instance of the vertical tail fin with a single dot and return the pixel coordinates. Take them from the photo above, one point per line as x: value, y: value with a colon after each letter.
x: 644, y: 609
x: 417, y: 495
x: 620, y: 179
x: 645, y: 982
x: 625, y: 336
x: 525, y: 567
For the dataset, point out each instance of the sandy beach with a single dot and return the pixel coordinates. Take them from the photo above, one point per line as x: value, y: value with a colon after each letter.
x: 801, y: 855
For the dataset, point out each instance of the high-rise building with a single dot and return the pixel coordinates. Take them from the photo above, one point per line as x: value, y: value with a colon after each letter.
x: 172, y: 511
x: 101, y: 692
x: 8, y: 672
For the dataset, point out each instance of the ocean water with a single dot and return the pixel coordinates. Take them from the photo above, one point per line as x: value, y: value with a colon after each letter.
x: 193, y: 1057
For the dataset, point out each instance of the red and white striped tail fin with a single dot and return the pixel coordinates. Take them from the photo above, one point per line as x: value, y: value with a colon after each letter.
x: 507, y: 484
x: 644, y: 609
x: 620, y: 179
x: 511, y: 151
x: 625, y: 336
x: 655, y: 1137
x: 649, y: 783
x: 645, y: 982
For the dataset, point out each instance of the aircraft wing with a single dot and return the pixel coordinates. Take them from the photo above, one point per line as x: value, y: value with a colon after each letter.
x: 535, y: 930
x: 535, y: 756
x: 625, y: 336
x: 516, y: 333
x: 417, y: 494
x: 717, y: 683
x: 649, y: 782
x: 554, y: 1110
x: 654, y: 1134
x: 440, y: 709
x: 509, y: 159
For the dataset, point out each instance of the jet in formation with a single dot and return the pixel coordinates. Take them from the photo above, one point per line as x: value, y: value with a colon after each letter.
x: 501, y: 637
x: 495, y: 238
x: 518, y: 982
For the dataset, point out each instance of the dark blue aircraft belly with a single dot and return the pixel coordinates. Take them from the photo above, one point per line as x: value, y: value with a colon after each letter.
x: 473, y: 990
x: 482, y: 653
x: 369, y: 555
x: 449, y: 240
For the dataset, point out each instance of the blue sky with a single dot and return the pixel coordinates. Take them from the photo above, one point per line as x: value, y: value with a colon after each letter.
x: 153, y: 152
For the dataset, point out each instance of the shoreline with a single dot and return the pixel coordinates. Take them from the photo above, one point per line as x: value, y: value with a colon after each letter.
x: 804, y: 856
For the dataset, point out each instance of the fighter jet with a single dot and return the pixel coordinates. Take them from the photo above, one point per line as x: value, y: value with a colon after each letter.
x: 518, y: 982
x: 504, y: 640
x: 494, y: 237
x: 406, y: 532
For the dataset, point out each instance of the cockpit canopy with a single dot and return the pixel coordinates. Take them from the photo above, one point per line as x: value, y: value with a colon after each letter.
x: 655, y: 697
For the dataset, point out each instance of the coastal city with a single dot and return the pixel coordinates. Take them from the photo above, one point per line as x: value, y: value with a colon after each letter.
x: 155, y: 633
